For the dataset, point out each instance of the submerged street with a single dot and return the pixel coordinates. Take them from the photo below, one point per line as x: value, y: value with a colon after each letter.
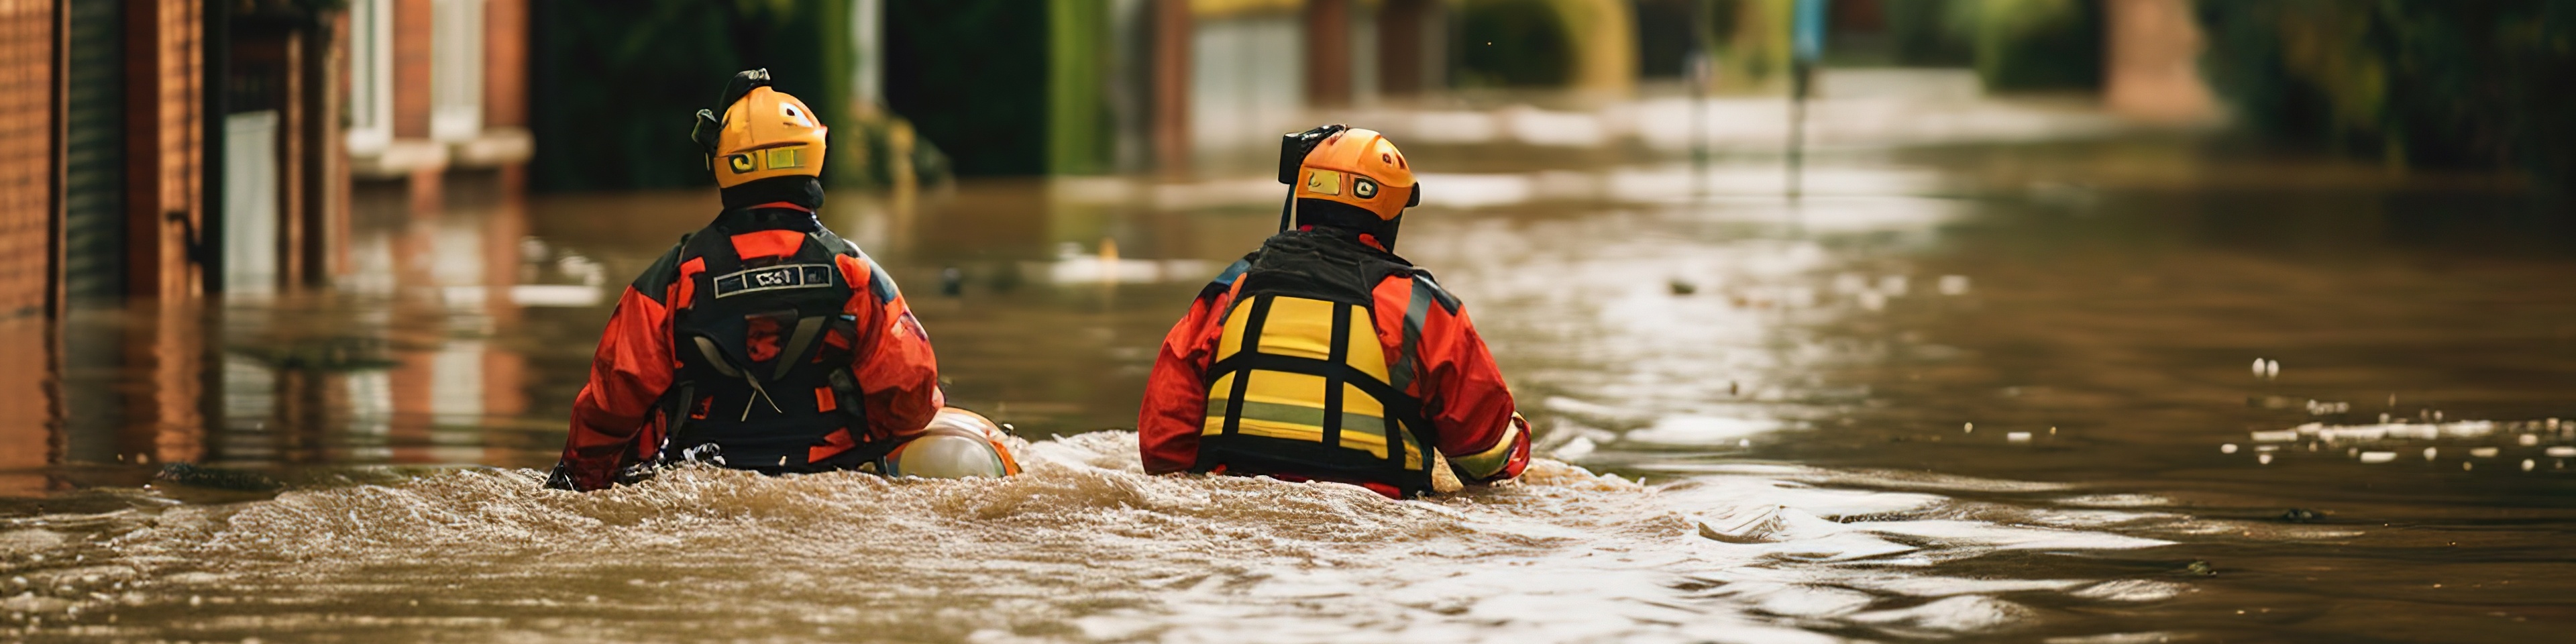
x: 1992, y: 392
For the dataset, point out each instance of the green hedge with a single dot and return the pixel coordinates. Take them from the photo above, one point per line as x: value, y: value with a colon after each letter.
x: 2433, y: 83
x: 613, y: 82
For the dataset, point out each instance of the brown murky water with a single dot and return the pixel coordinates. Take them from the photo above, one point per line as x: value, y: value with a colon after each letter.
x: 2136, y: 391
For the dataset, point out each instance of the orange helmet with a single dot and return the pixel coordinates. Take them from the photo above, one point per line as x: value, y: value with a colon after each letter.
x: 764, y: 133
x: 1360, y: 168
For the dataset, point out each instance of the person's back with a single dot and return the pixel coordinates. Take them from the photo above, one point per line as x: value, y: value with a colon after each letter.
x: 762, y: 341
x: 1323, y: 356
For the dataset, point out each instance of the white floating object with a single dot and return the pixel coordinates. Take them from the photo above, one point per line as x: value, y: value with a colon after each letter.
x: 2263, y: 459
x: 1954, y: 285
x: 2466, y: 466
x: 2483, y: 452
x: 2378, y: 457
x: 2429, y: 453
x: 2282, y: 436
x: 2229, y: 448
x: 2528, y: 440
x: 2562, y: 451
x: 2017, y: 437
x: 1970, y: 428
x: 2527, y: 465
x: 2258, y: 367
x: 2267, y: 448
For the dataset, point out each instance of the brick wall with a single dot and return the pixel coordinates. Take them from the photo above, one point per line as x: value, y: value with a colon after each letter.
x: 164, y: 139
x: 411, y: 50
x: 505, y: 63
x: 27, y: 161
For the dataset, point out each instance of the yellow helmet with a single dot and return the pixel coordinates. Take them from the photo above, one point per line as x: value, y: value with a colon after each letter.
x: 1360, y: 168
x: 764, y: 133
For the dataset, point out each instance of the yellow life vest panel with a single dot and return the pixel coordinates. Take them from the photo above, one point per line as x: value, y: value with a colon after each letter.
x: 1299, y: 384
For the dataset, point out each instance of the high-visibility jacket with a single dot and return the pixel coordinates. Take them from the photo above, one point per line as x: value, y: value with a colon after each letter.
x: 1321, y: 357
x: 765, y: 336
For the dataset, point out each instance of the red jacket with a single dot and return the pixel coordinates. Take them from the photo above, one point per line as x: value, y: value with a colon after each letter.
x: 615, y: 420
x: 1464, y: 397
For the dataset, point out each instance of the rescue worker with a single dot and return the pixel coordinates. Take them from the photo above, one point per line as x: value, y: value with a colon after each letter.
x: 1323, y: 356
x: 764, y: 341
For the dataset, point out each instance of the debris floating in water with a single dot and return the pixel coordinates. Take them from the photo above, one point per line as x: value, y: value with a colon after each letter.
x: 2528, y: 440
x: 1970, y: 428
x: 2482, y: 452
x: 2562, y: 451
x: 2466, y: 466
x: 2267, y: 369
x: 2431, y: 452
x: 2263, y: 459
x: 2017, y: 437
x: 2378, y: 457
x: 2527, y: 465
x: 1954, y: 285
x: 2229, y: 448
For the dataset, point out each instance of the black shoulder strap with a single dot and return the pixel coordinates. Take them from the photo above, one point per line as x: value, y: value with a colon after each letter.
x: 655, y: 281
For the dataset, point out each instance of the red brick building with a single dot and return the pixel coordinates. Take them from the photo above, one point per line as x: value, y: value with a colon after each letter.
x: 154, y: 152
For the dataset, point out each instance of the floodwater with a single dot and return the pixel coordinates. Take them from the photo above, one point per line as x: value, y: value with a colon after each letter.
x: 2119, y: 391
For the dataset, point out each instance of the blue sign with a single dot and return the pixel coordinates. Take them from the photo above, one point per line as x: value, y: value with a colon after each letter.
x: 1807, y: 30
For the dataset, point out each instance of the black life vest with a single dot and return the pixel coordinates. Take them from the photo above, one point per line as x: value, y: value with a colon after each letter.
x: 1299, y: 385
x: 757, y: 379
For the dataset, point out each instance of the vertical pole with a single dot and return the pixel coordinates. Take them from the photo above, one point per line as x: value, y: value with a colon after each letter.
x: 215, y: 25
x: 1328, y: 52
x: 57, y: 178
x: 1702, y: 66
x: 1172, y: 86
x: 1807, y: 42
x: 58, y: 235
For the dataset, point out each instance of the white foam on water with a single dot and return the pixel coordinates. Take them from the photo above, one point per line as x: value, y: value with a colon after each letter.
x: 1085, y: 546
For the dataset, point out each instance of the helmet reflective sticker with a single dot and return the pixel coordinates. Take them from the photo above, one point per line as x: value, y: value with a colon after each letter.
x: 785, y: 158
x: 1363, y: 188
x: 1324, y: 182
x: 739, y: 163
x: 794, y: 114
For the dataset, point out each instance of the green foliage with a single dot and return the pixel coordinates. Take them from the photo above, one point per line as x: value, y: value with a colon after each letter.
x: 972, y: 76
x: 1512, y: 43
x: 1664, y: 36
x: 1927, y: 33
x: 2033, y: 44
x: 1079, y: 128
x: 614, y: 82
x: 2483, y: 84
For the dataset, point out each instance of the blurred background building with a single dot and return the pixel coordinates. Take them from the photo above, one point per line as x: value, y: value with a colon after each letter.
x: 180, y: 148
x: 167, y: 150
